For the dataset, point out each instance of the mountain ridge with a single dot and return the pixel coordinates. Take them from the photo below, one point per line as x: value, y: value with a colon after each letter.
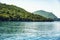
x: 45, y: 14
x: 14, y: 13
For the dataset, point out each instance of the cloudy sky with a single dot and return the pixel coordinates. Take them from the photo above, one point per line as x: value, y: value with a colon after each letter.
x: 34, y: 5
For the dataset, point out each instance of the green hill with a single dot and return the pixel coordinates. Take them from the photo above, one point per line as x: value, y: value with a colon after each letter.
x: 14, y: 13
x: 45, y: 14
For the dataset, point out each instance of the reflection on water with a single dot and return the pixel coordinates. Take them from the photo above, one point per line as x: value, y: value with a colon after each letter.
x: 29, y: 30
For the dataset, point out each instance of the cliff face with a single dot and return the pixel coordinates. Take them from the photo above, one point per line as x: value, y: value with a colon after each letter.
x: 14, y: 13
x: 45, y: 14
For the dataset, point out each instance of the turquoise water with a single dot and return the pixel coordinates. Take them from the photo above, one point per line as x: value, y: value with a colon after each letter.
x: 29, y: 30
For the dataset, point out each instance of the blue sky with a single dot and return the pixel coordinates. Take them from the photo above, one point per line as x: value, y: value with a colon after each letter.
x: 34, y: 5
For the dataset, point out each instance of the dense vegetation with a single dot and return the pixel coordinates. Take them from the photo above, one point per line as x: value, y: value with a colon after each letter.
x: 14, y: 13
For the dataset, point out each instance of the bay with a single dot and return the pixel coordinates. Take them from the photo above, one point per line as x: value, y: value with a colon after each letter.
x: 29, y: 30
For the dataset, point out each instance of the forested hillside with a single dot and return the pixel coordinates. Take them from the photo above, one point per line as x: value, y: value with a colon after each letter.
x: 14, y: 13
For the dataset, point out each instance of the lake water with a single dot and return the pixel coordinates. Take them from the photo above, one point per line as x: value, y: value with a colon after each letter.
x: 29, y: 30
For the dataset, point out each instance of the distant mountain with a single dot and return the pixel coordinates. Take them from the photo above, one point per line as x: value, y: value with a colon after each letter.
x: 45, y: 14
x: 14, y: 13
